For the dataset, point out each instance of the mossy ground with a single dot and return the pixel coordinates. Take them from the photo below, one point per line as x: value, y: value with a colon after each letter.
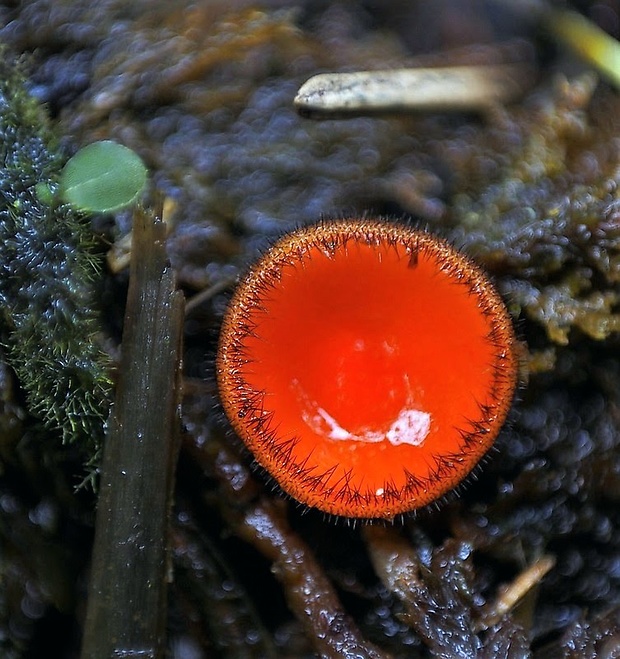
x: 530, y: 191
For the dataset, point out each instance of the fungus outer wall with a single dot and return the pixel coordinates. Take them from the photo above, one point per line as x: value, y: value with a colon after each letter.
x: 367, y: 365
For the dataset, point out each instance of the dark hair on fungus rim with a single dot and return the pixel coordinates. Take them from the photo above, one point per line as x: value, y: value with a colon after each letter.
x: 367, y: 365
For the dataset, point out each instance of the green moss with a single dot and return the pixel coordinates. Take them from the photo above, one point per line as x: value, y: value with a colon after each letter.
x: 544, y: 209
x: 47, y: 271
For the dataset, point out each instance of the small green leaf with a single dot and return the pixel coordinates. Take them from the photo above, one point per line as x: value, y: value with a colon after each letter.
x: 103, y: 177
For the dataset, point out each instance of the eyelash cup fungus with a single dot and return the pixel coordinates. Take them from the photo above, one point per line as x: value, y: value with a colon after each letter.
x: 367, y: 365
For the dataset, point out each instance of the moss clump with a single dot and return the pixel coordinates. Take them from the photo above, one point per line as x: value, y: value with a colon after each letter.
x: 544, y: 208
x: 47, y: 271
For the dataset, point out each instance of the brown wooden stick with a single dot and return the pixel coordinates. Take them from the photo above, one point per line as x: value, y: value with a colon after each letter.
x: 127, y: 597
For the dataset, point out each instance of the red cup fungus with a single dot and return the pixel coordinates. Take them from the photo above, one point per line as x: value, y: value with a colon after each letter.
x: 368, y: 366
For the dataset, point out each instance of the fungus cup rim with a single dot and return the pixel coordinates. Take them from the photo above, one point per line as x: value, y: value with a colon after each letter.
x: 244, y: 406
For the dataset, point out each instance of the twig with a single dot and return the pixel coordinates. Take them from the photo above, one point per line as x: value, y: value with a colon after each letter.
x: 472, y: 88
x: 208, y: 293
x: 262, y: 523
x: 510, y: 595
x: 127, y: 597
